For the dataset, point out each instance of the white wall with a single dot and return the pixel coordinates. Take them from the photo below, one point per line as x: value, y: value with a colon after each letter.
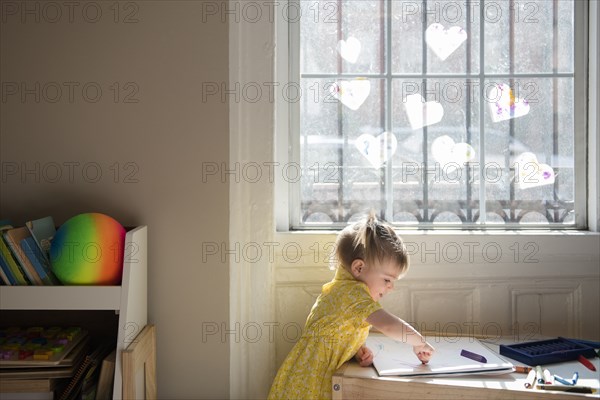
x: 166, y: 136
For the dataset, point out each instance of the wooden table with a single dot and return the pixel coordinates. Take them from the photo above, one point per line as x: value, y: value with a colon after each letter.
x: 352, y: 381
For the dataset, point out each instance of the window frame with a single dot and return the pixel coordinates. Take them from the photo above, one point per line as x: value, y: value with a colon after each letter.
x: 287, y: 117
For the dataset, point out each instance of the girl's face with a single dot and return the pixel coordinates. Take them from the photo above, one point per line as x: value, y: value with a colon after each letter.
x: 379, y: 278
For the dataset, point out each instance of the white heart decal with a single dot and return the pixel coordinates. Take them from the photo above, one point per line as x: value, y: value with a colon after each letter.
x: 349, y: 49
x: 422, y: 114
x: 445, y: 151
x: 377, y: 149
x: 504, y: 105
x: 352, y: 93
x: 444, y: 42
x: 530, y: 173
x: 463, y: 152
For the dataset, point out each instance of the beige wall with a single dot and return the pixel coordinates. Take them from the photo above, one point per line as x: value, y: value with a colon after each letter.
x: 149, y: 153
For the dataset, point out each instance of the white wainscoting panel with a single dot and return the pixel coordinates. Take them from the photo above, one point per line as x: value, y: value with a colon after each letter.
x: 443, y: 310
x: 554, y: 311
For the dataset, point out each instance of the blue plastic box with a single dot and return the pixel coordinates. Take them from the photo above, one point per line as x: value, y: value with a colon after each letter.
x: 547, y: 351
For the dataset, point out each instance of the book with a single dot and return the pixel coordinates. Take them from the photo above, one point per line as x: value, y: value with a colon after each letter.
x: 85, y: 372
x: 42, y: 230
x: 28, y: 385
x: 66, y: 368
x: 28, y: 389
x: 28, y: 396
x: 39, y: 261
x: 6, y: 276
x: 107, y: 377
x: 62, y: 347
x: 8, y: 258
x: 89, y: 384
x: 451, y: 358
x: 13, y: 238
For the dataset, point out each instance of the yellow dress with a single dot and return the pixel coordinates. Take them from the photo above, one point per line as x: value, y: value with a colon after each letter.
x: 335, y: 329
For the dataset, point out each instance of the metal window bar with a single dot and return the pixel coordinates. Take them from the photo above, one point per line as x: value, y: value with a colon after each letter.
x: 482, y: 195
x: 511, y: 122
x: 469, y: 200
x: 555, y: 149
x: 341, y: 135
x: 424, y: 129
x: 349, y: 75
x: 386, y: 54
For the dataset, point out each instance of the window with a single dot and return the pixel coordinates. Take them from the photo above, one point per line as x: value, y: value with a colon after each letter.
x: 459, y: 114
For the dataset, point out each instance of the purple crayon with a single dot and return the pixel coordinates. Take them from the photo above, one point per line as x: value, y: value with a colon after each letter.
x: 473, y: 356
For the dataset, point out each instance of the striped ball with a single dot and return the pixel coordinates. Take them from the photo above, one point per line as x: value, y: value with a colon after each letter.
x: 88, y: 250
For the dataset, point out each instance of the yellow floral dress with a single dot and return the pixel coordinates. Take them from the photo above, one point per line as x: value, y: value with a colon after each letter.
x: 335, y: 329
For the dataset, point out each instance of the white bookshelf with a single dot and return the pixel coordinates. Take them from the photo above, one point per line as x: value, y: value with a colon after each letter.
x: 128, y: 301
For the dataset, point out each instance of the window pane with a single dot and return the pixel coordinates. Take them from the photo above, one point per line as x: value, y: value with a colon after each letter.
x: 565, y: 148
x: 497, y: 30
x: 319, y: 37
x: 362, y: 24
x: 565, y: 50
x: 533, y: 36
x: 407, y: 34
x: 408, y: 161
x: 449, y: 37
x: 446, y: 163
x: 533, y: 148
x: 341, y: 127
x: 395, y: 113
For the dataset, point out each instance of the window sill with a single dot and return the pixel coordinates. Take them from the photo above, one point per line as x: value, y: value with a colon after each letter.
x: 445, y: 232
x: 465, y: 250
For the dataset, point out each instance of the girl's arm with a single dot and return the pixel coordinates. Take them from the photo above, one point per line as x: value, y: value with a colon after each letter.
x: 397, y: 329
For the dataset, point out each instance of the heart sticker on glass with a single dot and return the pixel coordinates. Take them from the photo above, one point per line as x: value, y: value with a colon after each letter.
x: 444, y: 150
x: 352, y: 93
x: 444, y: 42
x: 422, y: 114
x: 504, y: 105
x: 349, y: 49
x: 377, y: 150
x: 530, y: 173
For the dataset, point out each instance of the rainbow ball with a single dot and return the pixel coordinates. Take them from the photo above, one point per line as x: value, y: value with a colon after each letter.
x: 88, y: 250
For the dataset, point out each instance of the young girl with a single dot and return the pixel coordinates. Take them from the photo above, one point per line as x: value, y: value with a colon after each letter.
x: 370, y: 257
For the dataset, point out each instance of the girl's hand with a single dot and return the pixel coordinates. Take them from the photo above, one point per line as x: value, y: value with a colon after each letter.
x: 424, y: 352
x: 364, y: 356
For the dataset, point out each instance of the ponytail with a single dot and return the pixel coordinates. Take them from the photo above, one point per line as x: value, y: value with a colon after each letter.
x: 366, y: 237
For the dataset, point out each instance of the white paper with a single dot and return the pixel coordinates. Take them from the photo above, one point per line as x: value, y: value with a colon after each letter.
x: 398, y: 359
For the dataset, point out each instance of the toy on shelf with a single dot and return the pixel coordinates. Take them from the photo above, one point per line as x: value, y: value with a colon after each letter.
x: 88, y: 250
x: 38, y: 346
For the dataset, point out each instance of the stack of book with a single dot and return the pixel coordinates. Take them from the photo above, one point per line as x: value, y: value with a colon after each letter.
x: 72, y: 368
x: 24, y: 253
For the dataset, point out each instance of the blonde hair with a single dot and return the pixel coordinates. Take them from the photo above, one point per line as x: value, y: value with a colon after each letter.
x: 372, y: 241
